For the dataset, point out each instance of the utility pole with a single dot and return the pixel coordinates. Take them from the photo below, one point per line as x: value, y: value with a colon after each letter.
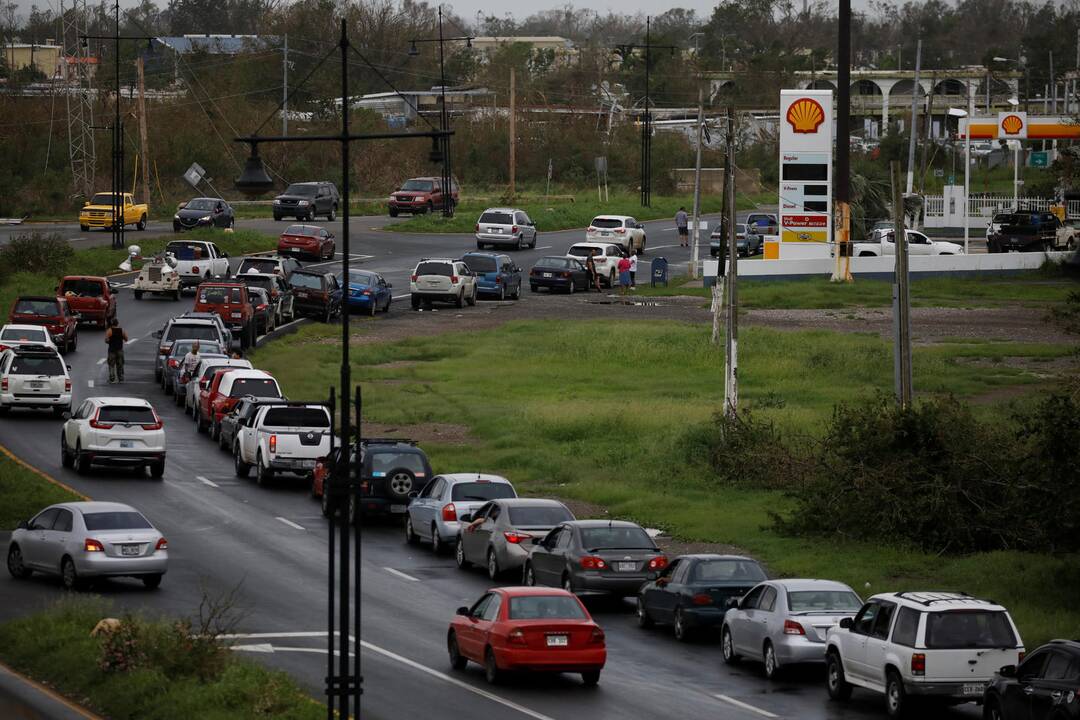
x: 513, y: 132
x: 901, y: 298
x: 928, y: 130
x: 1052, y: 88
x: 285, y: 88
x: 967, y: 163
x: 118, y: 149
x: 731, y: 355
x: 842, y: 180
x: 914, y: 119
x: 694, y: 253
x: 143, y: 143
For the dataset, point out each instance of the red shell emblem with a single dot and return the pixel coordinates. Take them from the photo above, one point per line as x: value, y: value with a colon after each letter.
x: 805, y: 115
x: 1012, y: 124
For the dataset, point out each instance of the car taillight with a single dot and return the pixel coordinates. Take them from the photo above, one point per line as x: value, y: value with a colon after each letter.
x: 498, y: 279
x: 67, y: 385
x: 590, y: 229
x: 620, y: 231
x: 477, y: 227
x: 3, y: 347
x: 3, y: 384
x: 1020, y: 659
x: 793, y: 628
x: 918, y: 664
x: 597, y: 637
x: 702, y: 599
x: 173, y: 363
x: 156, y: 425
x: 273, y: 443
x: 366, y: 292
x: 162, y: 544
x: 91, y: 545
x: 592, y: 562
x: 564, y: 274
x: 515, y: 537
x: 513, y: 228
x: 453, y: 279
x: 195, y: 269
x: 449, y: 513
x: 262, y: 307
x: 516, y: 637
x: 96, y: 424
x: 658, y: 563
x: 163, y: 350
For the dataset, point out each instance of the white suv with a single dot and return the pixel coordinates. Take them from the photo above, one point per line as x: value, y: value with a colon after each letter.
x: 621, y: 229
x: 444, y: 280
x: 114, y: 431
x: 34, y: 376
x: 937, y: 645
x: 605, y: 256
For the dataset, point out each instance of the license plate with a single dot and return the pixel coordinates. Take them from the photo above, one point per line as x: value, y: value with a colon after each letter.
x: 495, y: 230
x: 972, y: 689
x: 558, y: 640
x: 127, y: 444
x: 627, y: 566
x: 605, y: 234
x: 36, y: 385
x: 547, y: 275
x: 129, y: 549
x: 302, y: 294
x: 397, y: 508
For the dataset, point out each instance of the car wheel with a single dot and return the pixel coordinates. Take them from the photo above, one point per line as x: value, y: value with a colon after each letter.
x: 493, y: 570
x: 332, y: 215
x: 491, y: 667
x: 410, y: 534
x: 571, y: 289
x: 263, y: 474
x: 222, y: 441
x: 437, y: 545
x: 371, y: 307
x: 993, y: 711
x: 519, y: 245
x: 138, y: 294
x: 895, y: 697
x: 590, y: 678
x: 772, y: 665
x: 457, y: 660
x: 151, y: 582
x: 643, y: 619
x: 835, y: 681
x: 141, y: 225
x: 502, y: 292
x: 727, y: 647
x: 611, y: 279
x: 529, y: 578
x: 84, y: 228
x: 79, y: 462
x: 241, y: 467
x: 15, y: 564
x: 69, y: 575
x: 533, y: 288
x: 568, y: 583
x: 415, y: 301
x: 459, y: 555
x: 517, y: 291
x: 157, y: 469
x: 65, y: 456
x: 532, y: 245
x: 472, y: 298
x: 678, y: 626
x: 459, y: 301
x: 430, y: 208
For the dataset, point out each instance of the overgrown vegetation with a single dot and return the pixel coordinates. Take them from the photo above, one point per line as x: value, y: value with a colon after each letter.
x: 25, y: 493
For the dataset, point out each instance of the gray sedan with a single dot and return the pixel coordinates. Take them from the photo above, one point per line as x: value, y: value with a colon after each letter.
x: 435, y: 512
x: 499, y: 535
x: 83, y: 540
x: 784, y: 622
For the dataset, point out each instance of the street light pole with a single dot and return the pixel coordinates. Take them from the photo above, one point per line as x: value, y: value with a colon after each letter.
x: 967, y: 163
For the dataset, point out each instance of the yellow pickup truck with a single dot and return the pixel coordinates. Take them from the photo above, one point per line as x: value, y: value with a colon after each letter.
x: 98, y: 212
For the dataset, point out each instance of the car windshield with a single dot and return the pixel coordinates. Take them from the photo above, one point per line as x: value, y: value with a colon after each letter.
x: 808, y: 601
x: 297, y: 417
x: 539, y: 516
x: 303, y: 280
x: 24, y: 334
x: 187, y: 250
x: 44, y: 308
x: 740, y: 228
x: 969, y: 629
x: 550, y: 262
x: 200, y: 204
x: 258, y: 296
x: 545, y: 607
x: 128, y: 520
x: 258, y: 387
x: 360, y: 277
x: 496, y: 218
x: 383, y: 462
x: 134, y: 414
x: 259, y: 281
x: 182, y: 347
x: 37, y: 365
x: 192, y: 332
x: 435, y: 268
x: 299, y: 189
x: 209, y: 371
x: 584, y: 251
x: 102, y: 199
x: 301, y: 230
x: 728, y: 570
x: 481, y: 264
x: 482, y: 491
x: 417, y: 185
x: 263, y: 265
x: 607, y: 223
x: 83, y: 287
x: 614, y: 536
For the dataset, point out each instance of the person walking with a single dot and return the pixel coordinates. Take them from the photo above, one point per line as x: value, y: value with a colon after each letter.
x: 624, y: 275
x: 633, y: 270
x: 682, y: 223
x: 115, y: 337
x: 594, y: 277
x: 190, y: 362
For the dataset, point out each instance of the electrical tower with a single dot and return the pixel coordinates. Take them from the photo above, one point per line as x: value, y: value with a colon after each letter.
x: 74, y: 20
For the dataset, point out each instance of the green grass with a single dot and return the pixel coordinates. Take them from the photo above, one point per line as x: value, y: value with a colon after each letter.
x: 597, y: 411
x: 561, y: 214
x: 356, y: 208
x: 55, y: 646
x: 1035, y: 289
x: 25, y: 493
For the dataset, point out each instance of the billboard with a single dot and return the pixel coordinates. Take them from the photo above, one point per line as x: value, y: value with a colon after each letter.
x: 806, y: 154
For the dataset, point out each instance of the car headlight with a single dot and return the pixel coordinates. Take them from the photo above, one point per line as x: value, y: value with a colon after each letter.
x: 204, y: 218
x: 277, y: 201
x: 303, y: 202
x: 175, y: 217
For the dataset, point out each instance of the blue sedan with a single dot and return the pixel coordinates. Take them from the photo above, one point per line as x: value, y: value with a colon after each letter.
x: 495, y: 274
x: 368, y: 292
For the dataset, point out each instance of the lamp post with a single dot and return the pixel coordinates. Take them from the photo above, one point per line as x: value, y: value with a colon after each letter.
x: 970, y: 115
x: 1020, y: 63
x: 345, y: 685
x: 444, y: 114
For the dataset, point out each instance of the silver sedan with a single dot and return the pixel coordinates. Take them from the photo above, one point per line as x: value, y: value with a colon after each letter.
x: 433, y: 512
x: 499, y: 535
x: 82, y: 540
x: 784, y: 622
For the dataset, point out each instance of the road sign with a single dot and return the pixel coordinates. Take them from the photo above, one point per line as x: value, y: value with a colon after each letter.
x: 939, y: 172
x: 194, y: 175
x: 1039, y: 159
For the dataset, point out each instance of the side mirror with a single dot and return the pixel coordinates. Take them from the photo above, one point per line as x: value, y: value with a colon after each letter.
x: 414, y: 494
x: 466, y: 518
x: 113, y: 287
x: 389, y: 286
x: 661, y: 581
x: 537, y: 541
x: 732, y: 603
x: 640, y: 226
x: 846, y: 623
x: 86, y: 203
x: 23, y: 525
x: 68, y: 367
x: 224, y: 254
x: 1009, y: 671
x: 156, y: 334
x: 462, y: 611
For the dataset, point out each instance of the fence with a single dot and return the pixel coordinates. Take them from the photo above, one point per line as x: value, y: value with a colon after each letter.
x: 940, y: 211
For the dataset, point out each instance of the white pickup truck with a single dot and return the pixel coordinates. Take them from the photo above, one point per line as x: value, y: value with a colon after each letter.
x: 882, y: 242
x: 198, y: 261
x: 288, y: 438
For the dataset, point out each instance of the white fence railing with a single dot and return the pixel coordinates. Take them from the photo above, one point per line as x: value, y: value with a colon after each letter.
x: 947, y: 210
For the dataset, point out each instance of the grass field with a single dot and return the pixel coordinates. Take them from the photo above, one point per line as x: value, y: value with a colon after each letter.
x: 164, y: 682
x: 600, y: 411
x: 25, y: 493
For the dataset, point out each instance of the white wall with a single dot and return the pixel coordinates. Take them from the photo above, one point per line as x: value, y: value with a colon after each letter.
x: 923, y: 265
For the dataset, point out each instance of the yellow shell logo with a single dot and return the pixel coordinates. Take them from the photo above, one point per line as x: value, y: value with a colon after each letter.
x: 1012, y: 124
x: 805, y: 115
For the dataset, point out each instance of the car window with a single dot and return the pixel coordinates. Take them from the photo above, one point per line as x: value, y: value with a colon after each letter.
x: 583, y: 251
x: 607, y: 223
x: 478, y: 608
x: 750, y: 600
x: 907, y: 627
x: 417, y: 185
x: 45, y: 520
x: 187, y: 250
x: 303, y: 280
x: 495, y: 218
x: 539, y: 516
x: 429, y: 490
x: 564, y: 538
x: 383, y: 462
x: 491, y: 610
x: 481, y: 264
x: 768, y: 599
x: 83, y: 287
x: 297, y: 417
x: 612, y: 251
x: 552, y: 538
x: 669, y: 571
x: 130, y: 414
x: 823, y: 601
x: 554, y: 263
x: 545, y: 607
x: 482, y: 491
x: 615, y: 537
x: 258, y: 387
x: 864, y: 621
x: 63, y: 521
x: 1033, y: 666
x: 969, y: 629
x: 884, y: 619
x: 435, y: 268
x: 50, y: 365
x: 300, y: 189
x: 723, y: 570
x: 46, y: 308
x: 493, y: 512
x: 24, y: 334
x: 116, y: 520
x: 1061, y: 667
x: 193, y: 332
x: 263, y: 265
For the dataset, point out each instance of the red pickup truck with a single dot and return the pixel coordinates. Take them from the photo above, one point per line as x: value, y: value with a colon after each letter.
x: 422, y: 195
x: 51, y: 312
x: 90, y: 296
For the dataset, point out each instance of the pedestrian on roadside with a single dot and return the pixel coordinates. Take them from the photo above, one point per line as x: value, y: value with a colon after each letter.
x: 235, y: 355
x: 594, y: 277
x: 190, y: 362
x: 115, y: 337
x: 682, y: 223
x: 624, y: 275
x: 633, y: 270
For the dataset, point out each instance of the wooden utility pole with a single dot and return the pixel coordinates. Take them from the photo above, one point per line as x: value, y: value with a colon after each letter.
x: 731, y: 356
x: 513, y: 132
x: 143, y: 143
x: 697, y: 183
x: 901, y: 298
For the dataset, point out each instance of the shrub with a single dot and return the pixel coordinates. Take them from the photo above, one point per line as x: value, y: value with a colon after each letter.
x: 745, y: 451
x: 36, y: 253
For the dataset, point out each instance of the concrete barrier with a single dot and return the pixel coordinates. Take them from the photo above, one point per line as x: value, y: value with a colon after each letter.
x: 881, y: 268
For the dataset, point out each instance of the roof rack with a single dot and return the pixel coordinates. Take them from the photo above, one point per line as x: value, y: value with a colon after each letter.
x: 33, y: 347
x: 388, y: 441
x: 930, y: 597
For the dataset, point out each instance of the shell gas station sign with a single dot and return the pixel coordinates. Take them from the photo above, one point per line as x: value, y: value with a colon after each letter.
x: 806, y: 155
x: 1020, y: 126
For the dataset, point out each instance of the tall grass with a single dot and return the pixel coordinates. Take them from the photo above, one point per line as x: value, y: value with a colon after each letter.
x: 25, y: 493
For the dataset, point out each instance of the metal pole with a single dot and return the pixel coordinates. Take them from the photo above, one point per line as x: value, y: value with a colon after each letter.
x: 513, y: 133
x: 343, y: 455
x: 118, y: 148
x: 967, y: 163
x: 143, y: 141
x: 842, y: 180
x: 913, y: 136
x: 901, y: 298
x: 731, y: 365
x: 285, y: 88
x: 1016, y: 174
x: 448, y: 203
x: 694, y: 253
x: 343, y: 557
x: 1052, y: 88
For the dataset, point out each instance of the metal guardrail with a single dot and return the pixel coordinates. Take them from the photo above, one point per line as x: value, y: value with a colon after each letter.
x: 986, y: 205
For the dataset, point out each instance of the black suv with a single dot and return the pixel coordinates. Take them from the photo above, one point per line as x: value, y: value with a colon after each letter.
x: 305, y: 200
x: 1046, y: 685
x: 393, y: 471
x: 230, y: 424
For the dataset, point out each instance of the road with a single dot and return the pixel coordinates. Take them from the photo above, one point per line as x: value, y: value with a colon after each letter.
x: 225, y: 532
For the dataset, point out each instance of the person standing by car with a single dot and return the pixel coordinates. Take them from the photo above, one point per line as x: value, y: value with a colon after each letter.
x: 594, y: 277
x: 115, y: 337
x: 624, y: 275
x: 633, y: 270
x: 682, y: 223
x: 190, y: 361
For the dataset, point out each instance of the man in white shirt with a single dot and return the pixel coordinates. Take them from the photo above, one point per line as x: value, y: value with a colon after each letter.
x: 633, y: 270
x: 190, y: 361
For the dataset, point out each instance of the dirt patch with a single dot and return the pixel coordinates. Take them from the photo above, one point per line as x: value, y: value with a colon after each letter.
x: 395, y: 365
x: 442, y: 433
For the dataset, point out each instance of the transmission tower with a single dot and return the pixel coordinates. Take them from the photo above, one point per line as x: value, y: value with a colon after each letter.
x: 74, y: 20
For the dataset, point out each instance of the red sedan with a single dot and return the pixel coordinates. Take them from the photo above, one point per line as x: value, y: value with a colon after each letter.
x: 310, y: 241
x: 527, y: 628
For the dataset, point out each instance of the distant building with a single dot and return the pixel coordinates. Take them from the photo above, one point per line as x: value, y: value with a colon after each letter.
x: 44, y: 58
x: 218, y: 44
x: 404, y: 107
x: 563, y: 48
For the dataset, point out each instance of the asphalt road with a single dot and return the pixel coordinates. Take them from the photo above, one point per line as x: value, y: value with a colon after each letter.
x: 224, y: 532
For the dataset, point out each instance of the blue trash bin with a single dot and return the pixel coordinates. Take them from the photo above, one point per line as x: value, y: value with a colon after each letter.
x: 659, y: 271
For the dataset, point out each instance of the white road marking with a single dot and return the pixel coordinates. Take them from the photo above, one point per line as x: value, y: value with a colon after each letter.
x: 259, y: 648
x: 101, y: 361
x: 132, y: 341
x: 267, y: 648
x: 204, y: 481
x: 745, y: 706
x: 398, y: 297
x: 89, y: 383
x: 401, y: 575
x: 290, y: 523
x: 659, y: 247
x: 544, y: 247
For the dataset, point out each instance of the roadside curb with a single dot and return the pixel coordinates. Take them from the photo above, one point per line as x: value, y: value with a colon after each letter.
x: 17, y: 460
x: 288, y: 329
x: 23, y: 697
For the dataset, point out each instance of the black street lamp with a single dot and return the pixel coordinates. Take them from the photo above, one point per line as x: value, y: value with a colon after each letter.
x: 345, y: 685
x: 444, y: 114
